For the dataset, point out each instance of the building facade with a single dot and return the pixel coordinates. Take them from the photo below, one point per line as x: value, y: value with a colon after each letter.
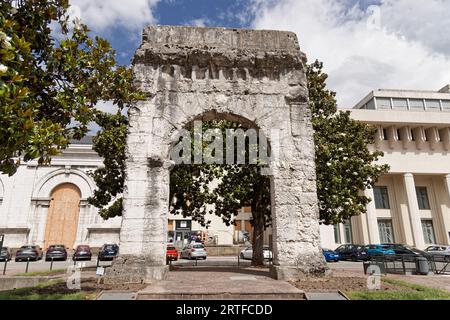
x: 411, y: 204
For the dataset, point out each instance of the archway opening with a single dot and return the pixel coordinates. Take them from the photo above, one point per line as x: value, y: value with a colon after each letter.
x: 63, y: 216
x: 220, y: 191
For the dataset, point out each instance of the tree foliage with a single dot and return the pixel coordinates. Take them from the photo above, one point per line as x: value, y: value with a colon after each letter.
x: 344, y: 163
x: 49, y: 86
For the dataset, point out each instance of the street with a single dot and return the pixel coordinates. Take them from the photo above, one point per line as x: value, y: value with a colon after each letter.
x: 15, y: 268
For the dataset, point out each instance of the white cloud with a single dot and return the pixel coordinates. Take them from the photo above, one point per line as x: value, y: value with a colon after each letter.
x: 403, y: 52
x: 102, y: 15
x: 200, y: 22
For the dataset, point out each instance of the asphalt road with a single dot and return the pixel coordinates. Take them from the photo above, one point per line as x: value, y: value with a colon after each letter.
x: 14, y: 268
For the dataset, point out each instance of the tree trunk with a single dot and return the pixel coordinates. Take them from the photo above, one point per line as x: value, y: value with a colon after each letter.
x: 258, y: 237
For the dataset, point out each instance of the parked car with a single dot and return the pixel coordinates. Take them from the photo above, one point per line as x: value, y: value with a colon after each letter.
x: 5, y: 254
x: 108, y: 252
x: 171, y: 253
x: 330, y: 255
x: 438, y: 250
x: 29, y: 252
x: 354, y: 252
x: 194, y: 251
x: 402, y: 249
x: 56, y: 252
x: 247, y: 253
x: 82, y: 252
x: 378, y: 250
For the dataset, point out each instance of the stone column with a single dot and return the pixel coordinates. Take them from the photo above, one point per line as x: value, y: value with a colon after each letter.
x: 143, y: 232
x: 447, y: 184
x: 446, y: 221
x: 413, y: 209
x: 371, y: 216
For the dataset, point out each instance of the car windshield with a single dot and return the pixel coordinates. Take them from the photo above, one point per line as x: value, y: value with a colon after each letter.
x: 83, y: 248
x: 414, y: 249
x: 198, y: 246
x: 4, y: 249
x: 110, y: 247
x: 171, y: 248
x: 27, y: 247
x: 56, y: 247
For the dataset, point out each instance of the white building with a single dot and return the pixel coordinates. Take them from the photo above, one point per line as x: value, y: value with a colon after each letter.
x: 412, y: 202
x: 48, y: 205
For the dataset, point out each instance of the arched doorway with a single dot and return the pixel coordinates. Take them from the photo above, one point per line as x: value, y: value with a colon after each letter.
x: 63, y: 214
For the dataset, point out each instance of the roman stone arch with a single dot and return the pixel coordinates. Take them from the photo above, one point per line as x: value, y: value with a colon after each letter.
x: 189, y: 73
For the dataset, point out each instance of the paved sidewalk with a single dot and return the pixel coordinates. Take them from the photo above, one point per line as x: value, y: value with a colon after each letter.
x: 220, y: 283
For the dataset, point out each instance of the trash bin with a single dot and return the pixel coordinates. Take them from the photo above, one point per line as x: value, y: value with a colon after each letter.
x: 422, y: 266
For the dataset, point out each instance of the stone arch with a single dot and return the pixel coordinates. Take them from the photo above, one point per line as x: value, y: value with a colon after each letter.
x: 189, y: 72
x: 45, y: 186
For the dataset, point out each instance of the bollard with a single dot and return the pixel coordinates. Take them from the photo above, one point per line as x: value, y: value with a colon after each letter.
x: 98, y: 261
x: 4, y: 267
x: 196, y: 262
x: 28, y: 262
x: 239, y: 260
x: 51, y: 265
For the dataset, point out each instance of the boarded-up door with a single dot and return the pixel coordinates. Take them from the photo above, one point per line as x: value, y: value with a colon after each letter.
x: 62, y: 219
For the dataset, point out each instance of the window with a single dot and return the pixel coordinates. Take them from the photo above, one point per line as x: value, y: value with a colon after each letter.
x: 433, y: 105
x: 446, y: 105
x: 385, y: 135
x: 386, y: 231
x: 400, y: 104
x: 416, y: 104
x: 422, y: 198
x: 348, y: 232
x: 428, y: 231
x: 381, y: 198
x: 383, y: 103
x: 370, y: 105
x: 337, y: 234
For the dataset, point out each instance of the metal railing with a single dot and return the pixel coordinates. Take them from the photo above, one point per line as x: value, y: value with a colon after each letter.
x: 410, y: 264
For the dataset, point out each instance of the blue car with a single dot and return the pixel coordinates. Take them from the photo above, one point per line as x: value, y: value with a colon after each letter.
x: 378, y: 250
x: 330, y: 255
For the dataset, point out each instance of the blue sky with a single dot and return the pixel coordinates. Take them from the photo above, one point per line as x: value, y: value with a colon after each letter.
x: 212, y: 13
x: 364, y: 44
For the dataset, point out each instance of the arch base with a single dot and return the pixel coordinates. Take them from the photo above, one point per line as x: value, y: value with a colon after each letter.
x: 134, y: 269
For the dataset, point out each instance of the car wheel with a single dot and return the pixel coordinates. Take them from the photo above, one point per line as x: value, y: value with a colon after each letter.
x: 242, y: 256
x: 354, y: 259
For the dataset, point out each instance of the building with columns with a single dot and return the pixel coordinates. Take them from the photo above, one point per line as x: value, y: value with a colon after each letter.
x: 412, y: 202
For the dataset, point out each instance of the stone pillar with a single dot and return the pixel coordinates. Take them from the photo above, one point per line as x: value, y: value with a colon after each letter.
x: 371, y: 216
x: 143, y: 234
x: 413, y: 209
x: 445, y: 219
x: 447, y: 184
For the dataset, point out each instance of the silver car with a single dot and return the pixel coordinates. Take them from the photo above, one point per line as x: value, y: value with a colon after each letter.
x: 247, y: 253
x: 194, y: 251
x: 438, y: 250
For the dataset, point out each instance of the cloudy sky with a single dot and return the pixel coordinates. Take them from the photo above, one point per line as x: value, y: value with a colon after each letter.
x: 364, y: 44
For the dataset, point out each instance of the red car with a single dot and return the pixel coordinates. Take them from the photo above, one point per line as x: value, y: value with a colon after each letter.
x: 172, y: 253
